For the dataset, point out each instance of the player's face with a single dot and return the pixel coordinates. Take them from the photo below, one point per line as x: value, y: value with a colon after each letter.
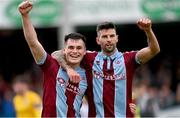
x: 74, y: 51
x: 107, y: 39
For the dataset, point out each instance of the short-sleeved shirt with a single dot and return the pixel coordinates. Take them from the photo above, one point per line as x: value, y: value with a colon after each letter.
x: 28, y: 105
x: 61, y: 98
x: 109, y: 83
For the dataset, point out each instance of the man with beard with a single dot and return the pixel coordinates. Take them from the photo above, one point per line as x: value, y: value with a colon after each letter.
x: 110, y: 72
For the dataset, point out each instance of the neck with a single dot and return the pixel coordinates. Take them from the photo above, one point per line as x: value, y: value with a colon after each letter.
x: 74, y: 65
x: 109, y: 53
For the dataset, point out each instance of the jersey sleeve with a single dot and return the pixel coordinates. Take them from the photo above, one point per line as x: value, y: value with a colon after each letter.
x: 131, y: 60
x: 42, y: 60
x: 49, y: 64
x: 88, y: 59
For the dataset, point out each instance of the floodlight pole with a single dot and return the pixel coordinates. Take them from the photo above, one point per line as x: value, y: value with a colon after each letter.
x: 66, y: 25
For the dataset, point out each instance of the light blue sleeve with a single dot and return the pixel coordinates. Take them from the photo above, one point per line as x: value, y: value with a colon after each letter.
x: 137, y: 60
x: 42, y: 61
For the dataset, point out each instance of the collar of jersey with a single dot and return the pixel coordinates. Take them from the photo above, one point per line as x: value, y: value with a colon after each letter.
x: 113, y: 56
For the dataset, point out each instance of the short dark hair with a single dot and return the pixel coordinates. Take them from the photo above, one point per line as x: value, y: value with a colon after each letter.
x: 75, y: 36
x: 105, y: 25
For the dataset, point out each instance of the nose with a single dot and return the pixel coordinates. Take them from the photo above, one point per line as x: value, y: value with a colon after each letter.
x: 74, y: 50
x: 108, y: 38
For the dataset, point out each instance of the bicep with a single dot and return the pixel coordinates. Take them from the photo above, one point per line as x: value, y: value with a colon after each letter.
x: 37, y: 51
x: 144, y: 55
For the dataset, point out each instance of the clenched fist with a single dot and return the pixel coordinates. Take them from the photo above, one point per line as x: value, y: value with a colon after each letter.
x: 144, y: 24
x: 25, y: 7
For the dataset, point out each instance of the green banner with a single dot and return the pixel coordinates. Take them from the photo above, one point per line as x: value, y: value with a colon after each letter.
x: 161, y: 9
x: 44, y: 12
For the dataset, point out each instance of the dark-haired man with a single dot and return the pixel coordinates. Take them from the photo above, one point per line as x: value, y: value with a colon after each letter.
x: 110, y: 72
x: 61, y: 97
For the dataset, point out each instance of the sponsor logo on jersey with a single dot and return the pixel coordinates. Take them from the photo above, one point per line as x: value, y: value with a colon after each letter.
x: 99, y: 75
x: 70, y: 86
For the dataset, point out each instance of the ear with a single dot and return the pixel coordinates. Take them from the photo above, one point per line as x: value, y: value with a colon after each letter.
x: 85, y: 52
x: 97, y: 40
x: 117, y: 38
x: 63, y: 51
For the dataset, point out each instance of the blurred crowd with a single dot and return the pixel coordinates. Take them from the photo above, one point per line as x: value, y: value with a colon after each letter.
x: 153, y: 90
x: 159, y: 90
x: 23, y: 95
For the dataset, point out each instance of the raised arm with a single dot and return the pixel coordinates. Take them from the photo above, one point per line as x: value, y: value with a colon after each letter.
x: 73, y: 75
x: 153, y: 48
x: 36, y: 48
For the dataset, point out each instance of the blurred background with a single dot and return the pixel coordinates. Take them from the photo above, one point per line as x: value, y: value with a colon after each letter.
x: 156, y: 85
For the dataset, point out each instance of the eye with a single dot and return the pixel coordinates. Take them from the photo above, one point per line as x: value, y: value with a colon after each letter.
x: 104, y: 36
x: 79, y: 47
x: 112, y: 36
x: 70, y: 47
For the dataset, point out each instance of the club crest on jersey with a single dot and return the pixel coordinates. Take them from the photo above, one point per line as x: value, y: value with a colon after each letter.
x: 98, y: 62
x: 117, y: 62
x: 61, y: 81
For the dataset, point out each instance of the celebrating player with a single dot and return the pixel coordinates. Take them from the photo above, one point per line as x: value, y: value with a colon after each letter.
x: 110, y: 72
x: 61, y: 97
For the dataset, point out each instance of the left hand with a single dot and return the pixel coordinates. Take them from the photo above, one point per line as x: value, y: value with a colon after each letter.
x: 144, y: 24
x: 132, y: 107
x: 73, y: 75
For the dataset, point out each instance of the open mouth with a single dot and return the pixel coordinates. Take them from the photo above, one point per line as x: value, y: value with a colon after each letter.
x: 108, y: 44
x: 74, y: 56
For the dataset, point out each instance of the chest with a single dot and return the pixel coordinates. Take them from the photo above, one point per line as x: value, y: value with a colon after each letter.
x: 65, y: 85
x: 109, y: 69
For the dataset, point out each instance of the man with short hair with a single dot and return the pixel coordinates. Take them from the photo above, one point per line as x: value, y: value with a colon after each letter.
x: 61, y: 97
x: 110, y: 72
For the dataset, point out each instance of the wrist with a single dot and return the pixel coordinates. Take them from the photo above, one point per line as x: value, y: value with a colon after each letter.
x: 147, y: 31
x: 68, y: 68
x: 25, y: 16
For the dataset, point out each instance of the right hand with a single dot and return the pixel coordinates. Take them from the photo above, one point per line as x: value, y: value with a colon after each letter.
x: 144, y: 24
x: 73, y: 75
x: 25, y: 7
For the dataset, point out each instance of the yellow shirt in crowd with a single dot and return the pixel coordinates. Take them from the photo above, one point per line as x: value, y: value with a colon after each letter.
x: 29, y: 105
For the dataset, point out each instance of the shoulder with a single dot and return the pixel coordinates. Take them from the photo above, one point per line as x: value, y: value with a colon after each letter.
x: 130, y: 53
x: 90, y: 55
x: 49, y: 63
x: 130, y: 57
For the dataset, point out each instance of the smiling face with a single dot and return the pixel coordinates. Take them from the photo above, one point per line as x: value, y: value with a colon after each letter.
x: 74, y: 51
x: 107, y: 39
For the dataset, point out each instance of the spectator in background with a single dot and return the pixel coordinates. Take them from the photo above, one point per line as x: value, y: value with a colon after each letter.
x: 166, y: 96
x: 6, y: 99
x: 27, y: 103
x: 178, y: 94
x: 147, y: 99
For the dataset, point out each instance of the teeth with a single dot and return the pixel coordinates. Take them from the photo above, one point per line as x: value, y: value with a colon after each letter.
x: 74, y: 56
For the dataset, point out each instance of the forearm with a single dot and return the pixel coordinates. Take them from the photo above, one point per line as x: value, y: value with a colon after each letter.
x: 61, y: 59
x: 29, y: 31
x: 151, y: 50
x: 152, y: 42
x: 36, y: 48
x: 73, y: 75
